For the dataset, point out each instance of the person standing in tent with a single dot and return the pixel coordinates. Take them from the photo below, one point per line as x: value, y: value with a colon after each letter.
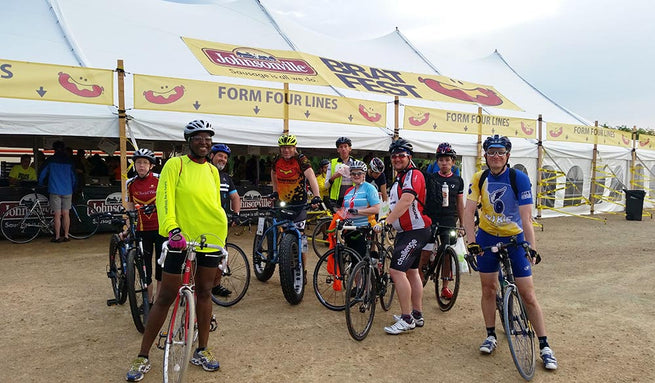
x: 188, y: 206
x: 448, y: 210
x: 230, y: 200
x: 406, y: 201
x: 504, y: 214
x: 337, y: 179
x: 59, y: 172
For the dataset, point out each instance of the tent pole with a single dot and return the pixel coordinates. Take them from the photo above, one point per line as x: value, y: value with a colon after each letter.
x: 540, y: 161
x: 286, y: 108
x: 122, y: 117
x: 634, y: 156
x: 592, y: 187
x: 478, y: 159
x: 396, y: 109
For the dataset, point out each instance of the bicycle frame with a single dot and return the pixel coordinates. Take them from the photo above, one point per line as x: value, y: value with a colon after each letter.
x: 287, y: 226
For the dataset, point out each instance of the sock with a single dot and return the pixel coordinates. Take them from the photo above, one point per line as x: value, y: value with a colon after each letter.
x: 417, y: 314
x: 543, y: 342
x: 407, y: 318
x: 200, y: 349
x: 491, y: 331
x: 142, y: 356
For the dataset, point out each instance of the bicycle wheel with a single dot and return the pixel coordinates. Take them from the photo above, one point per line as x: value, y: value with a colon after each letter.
x: 320, y: 243
x: 137, y: 290
x: 386, y: 289
x: 84, y: 221
x: 20, y: 225
x: 447, y: 275
x: 115, y: 270
x: 291, y: 269
x: 236, y: 278
x: 360, y: 301
x: 263, y: 268
x: 179, y: 343
x: 330, y: 289
x: 520, y: 335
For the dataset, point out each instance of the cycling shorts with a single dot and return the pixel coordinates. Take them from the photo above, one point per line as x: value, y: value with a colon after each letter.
x: 489, y: 262
x: 175, y: 261
x: 407, y: 248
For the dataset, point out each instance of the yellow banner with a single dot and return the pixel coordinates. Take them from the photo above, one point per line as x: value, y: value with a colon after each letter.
x: 302, y: 68
x: 182, y: 95
x: 646, y: 142
x: 437, y: 120
x: 587, y: 134
x: 35, y: 81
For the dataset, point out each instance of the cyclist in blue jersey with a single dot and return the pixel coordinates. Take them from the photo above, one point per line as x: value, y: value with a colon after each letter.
x: 503, y: 215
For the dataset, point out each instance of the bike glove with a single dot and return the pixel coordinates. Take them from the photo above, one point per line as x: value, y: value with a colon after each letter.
x: 316, y: 200
x: 149, y: 209
x: 176, y: 240
x: 275, y: 196
x: 353, y: 211
x: 474, y: 249
x: 535, y: 255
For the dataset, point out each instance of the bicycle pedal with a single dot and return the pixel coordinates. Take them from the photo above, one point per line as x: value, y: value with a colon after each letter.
x: 112, y: 302
x: 161, y: 342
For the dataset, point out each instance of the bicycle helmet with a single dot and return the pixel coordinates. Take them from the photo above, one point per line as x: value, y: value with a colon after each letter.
x: 358, y: 165
x: 197, y: 126
x: 144, y: 153
x: 377, y: 166
x: 323, y: 162
x: 497, y: 141
x: 344, y: 140
x: 221, y: 148
x: 401, y: 145
x: 445, y: 149
x: 287, y: 140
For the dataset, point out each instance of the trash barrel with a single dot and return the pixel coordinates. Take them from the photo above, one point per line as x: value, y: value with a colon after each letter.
x: 634, y: 204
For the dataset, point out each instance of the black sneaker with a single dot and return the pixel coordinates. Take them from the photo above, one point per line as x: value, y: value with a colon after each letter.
x: 221, y: 291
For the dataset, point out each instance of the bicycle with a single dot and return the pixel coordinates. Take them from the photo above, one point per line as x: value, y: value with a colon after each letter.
x: 517, y: 326
x: 368, y: 282
x: 443, y: 267
x: 23, y: 223
x: 333, y: 269
x: 117, y: 266
x: 278, y: 240
x: 182, y: 331
x: 236, y: 276
x: 321, y: 230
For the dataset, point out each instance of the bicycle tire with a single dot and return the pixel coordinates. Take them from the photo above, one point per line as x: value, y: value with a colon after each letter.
x: 291, y: 269
x: 115, y: 270
x: 263, y: 268
x: 84, y: 221
x: 137, y: 291
x: 329, y: 289
x: 320, y: 245
x: 236, y: 278
x: 360, y: 301
x: 519, y: 332
x: 19, y: 225
x: 181, y: 334
x: 448, y: 256
x: 385, y: 281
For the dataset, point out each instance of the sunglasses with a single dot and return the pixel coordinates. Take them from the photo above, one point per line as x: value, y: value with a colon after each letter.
x: 356, y: 174
x: 495, y: 153
x: 399, y: 155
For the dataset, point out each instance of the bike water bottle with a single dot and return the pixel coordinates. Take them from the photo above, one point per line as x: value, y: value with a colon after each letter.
x: 444, y: 194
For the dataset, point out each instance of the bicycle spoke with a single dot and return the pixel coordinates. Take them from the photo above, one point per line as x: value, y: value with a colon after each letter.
x: 520, y: 335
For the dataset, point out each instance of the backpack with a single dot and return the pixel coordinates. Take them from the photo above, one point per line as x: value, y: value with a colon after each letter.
x: 512, y: 180
x: 433, y: 197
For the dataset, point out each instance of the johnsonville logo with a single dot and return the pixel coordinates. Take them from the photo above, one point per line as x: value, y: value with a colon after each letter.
x: 249, y: 58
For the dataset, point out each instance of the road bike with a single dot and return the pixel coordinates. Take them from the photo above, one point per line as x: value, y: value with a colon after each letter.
x: 369, y: 281
x: 517, y: 326
x: 319, y: 238
x: 443, y: 268
x: 278, y: 240
x: 24, y: 222
x: 236, y: 276
x: 182, y: 333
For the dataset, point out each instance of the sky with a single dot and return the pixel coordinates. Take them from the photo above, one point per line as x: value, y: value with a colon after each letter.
x: 594, y: 57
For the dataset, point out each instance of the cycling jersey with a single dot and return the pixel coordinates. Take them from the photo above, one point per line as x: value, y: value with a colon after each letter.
x: 227, y: 188
x: 290, y: 175
x: 188, y: 197
x: 143, y: 191
x: 410, y: 181
x: 361, y: 197
x: 446, y: 215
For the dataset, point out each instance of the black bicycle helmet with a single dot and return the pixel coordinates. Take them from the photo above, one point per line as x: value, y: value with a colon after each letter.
x: 377, y: 165
x: 144, y: 153
x: 197, y: 126
x: 324, y: 162
x: 344, y: 140
x: 445, y: 149
x: 497, y: 141
x: 401, y: 145
x: 221, y: 148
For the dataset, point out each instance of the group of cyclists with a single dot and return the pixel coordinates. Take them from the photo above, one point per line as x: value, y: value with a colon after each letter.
x: 193, y: 193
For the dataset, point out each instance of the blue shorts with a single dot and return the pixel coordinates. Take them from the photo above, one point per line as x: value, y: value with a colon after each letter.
x: 489, y: 262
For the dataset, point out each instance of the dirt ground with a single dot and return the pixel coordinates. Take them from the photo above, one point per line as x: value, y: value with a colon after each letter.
x: 596, y: 288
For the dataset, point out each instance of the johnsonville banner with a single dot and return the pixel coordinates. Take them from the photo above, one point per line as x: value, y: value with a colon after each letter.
x: 302, y: 68
x: 46, y: 82
x: 181, y: 95
x: 587, y: 134
x: 446, y: 121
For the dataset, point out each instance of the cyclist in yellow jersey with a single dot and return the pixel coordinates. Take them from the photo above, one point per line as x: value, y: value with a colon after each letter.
x: 188, y: 205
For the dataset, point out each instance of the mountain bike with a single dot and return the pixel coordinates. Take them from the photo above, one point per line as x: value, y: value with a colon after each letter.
x: 278, y: 240
x: 517, y: 326
x: 368, y: 282
x: 117, y: 266
x: 24, y: 222
x: 182, y: 331
x: 443, y: 269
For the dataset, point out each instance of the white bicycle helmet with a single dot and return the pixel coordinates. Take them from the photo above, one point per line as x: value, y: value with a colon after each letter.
x: 197, y: 126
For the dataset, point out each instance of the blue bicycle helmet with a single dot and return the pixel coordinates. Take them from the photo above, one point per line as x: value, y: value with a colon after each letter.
x: 497, y: 141
x: 221, y: 148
